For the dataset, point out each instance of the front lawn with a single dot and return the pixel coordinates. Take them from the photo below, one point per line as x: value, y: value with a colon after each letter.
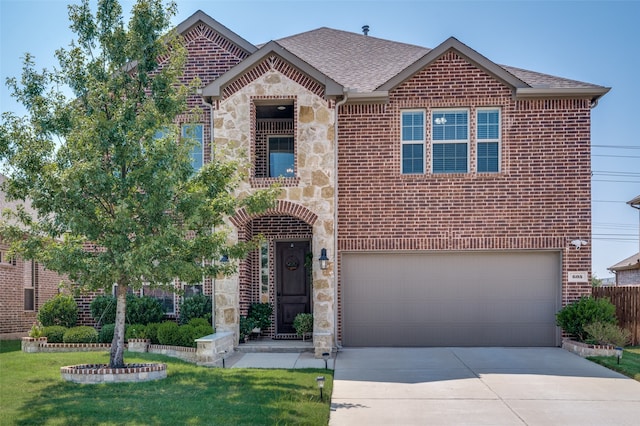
x: 33, y: 392
x: 629, y: 363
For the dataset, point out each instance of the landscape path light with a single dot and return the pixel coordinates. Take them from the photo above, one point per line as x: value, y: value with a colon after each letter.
x: 320, y: 382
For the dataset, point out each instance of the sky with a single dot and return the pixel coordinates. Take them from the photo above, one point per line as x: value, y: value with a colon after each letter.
x: 591, y: 41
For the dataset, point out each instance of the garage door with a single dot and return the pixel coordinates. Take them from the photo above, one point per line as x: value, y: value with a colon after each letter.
x: 451, y: 299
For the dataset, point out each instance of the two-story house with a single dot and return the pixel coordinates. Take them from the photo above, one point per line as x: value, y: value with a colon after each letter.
x: 442, y: 191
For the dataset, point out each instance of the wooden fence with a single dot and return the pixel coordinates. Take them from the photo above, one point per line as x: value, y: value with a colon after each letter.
x: 627, y: 302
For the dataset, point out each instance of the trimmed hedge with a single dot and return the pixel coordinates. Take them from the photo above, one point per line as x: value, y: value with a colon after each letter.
x: 54, y: 333
x: 170, y: 333
x: 106, y: 333
x: 80, y: 334
x: 140, y: 310
x: 61, y: 310
x: 198, y: 306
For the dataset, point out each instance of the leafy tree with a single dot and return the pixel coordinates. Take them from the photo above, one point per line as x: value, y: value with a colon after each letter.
x: 116, y: 203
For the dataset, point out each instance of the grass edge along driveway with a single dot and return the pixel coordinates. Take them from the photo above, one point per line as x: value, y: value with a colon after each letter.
x: 33, y: 392
x: 629, y: 363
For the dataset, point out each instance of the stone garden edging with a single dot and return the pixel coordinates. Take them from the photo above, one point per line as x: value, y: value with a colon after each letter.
x: 210, y: 350
x: 585, y: 350
x: 101, y: 373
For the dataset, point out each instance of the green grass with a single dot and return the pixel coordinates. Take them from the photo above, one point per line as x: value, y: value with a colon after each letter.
x: 33, y: 392
x: 629, y: 363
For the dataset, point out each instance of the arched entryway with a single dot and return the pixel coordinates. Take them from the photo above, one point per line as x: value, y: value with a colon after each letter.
x: 279, y: 271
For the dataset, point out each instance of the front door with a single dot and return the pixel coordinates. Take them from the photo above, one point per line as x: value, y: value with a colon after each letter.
x: 292, y: 284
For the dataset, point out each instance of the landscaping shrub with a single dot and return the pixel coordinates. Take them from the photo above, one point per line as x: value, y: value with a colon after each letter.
x: 198, y: 306
x: 103, y: 309
x: 80, y: 334
x: 201, y: 331
x: 135, y: 331
x: 261, y: 314
x: 151, y: 332
x: 197, y: 322
x: 608, y: 334
x: 106, y: 333
x: 574, y: 317
x: 143, y: 310
x: 61, y: 310
x: 140, y: 310
x: 303, y: 324
x: 169, y: 333
x: 54, y: 333
x: 186, y: 335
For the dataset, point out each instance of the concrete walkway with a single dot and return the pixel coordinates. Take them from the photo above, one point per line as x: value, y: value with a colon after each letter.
x: 286, y: 360
x: 478, y: 386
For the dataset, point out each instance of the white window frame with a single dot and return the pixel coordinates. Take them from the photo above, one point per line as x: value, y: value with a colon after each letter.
x: 422, y: 142
x: 498, y: 140
x: 183, y: 128
x: 466, y: 141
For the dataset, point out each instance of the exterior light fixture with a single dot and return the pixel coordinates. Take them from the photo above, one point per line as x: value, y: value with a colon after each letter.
x: 619, y: 353
x: 320, y: 382
x: 281, y: 108
x: 324, y: 260
x: 325, y: 356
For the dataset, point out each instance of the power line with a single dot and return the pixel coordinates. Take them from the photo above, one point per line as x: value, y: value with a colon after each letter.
x: 616, y: 146
x: 617, y: 181
x: 614, y: 173
x: 615, y: 156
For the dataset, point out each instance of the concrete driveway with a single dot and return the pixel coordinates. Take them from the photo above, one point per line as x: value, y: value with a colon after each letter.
x: 478, y: 386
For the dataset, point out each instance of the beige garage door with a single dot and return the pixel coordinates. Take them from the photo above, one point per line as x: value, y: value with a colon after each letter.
x: 451, y: 299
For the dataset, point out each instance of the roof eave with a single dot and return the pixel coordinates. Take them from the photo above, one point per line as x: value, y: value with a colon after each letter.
x: 375, y: 97
x: 465, y: 51
x: 214, y: 89
x: 594, y: 93
x: 635, y: 203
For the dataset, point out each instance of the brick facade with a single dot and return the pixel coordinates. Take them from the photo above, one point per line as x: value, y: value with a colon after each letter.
x: 16, y: 276
x: 540, y: 198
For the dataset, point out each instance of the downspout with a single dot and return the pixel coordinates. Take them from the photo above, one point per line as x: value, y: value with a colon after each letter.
x: 213, y: 230
x: 335, y: 218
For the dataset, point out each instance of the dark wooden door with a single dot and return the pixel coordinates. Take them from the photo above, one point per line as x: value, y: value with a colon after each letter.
x: 292, y: 283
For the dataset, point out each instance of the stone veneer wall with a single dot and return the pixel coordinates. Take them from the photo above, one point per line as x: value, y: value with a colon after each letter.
x: 310, y: 193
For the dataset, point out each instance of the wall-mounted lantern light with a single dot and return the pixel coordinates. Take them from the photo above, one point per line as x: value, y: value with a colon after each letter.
x: 324, y: 260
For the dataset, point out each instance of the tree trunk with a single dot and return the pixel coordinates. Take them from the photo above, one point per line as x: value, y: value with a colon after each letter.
x: 116, y: 359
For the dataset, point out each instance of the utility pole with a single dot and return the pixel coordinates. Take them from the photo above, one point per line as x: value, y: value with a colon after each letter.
x: 635, y: 203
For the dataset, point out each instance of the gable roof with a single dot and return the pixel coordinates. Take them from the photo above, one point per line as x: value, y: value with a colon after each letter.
x: 13, y: 204
x: 214, y: 89
x: 635, y: 202
x: 200, y: 16
x: 364, y: 65
x: 368, y: 64
x: 359, y: 63
x: 631, y: 262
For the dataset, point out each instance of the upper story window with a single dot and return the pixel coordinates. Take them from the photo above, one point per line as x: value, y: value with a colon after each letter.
x: 450, y: 141
x: 275, y: 143
x: 281, y: 156
x: 195, y: 133
x: 412, y: 138
x: 488, y: 140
